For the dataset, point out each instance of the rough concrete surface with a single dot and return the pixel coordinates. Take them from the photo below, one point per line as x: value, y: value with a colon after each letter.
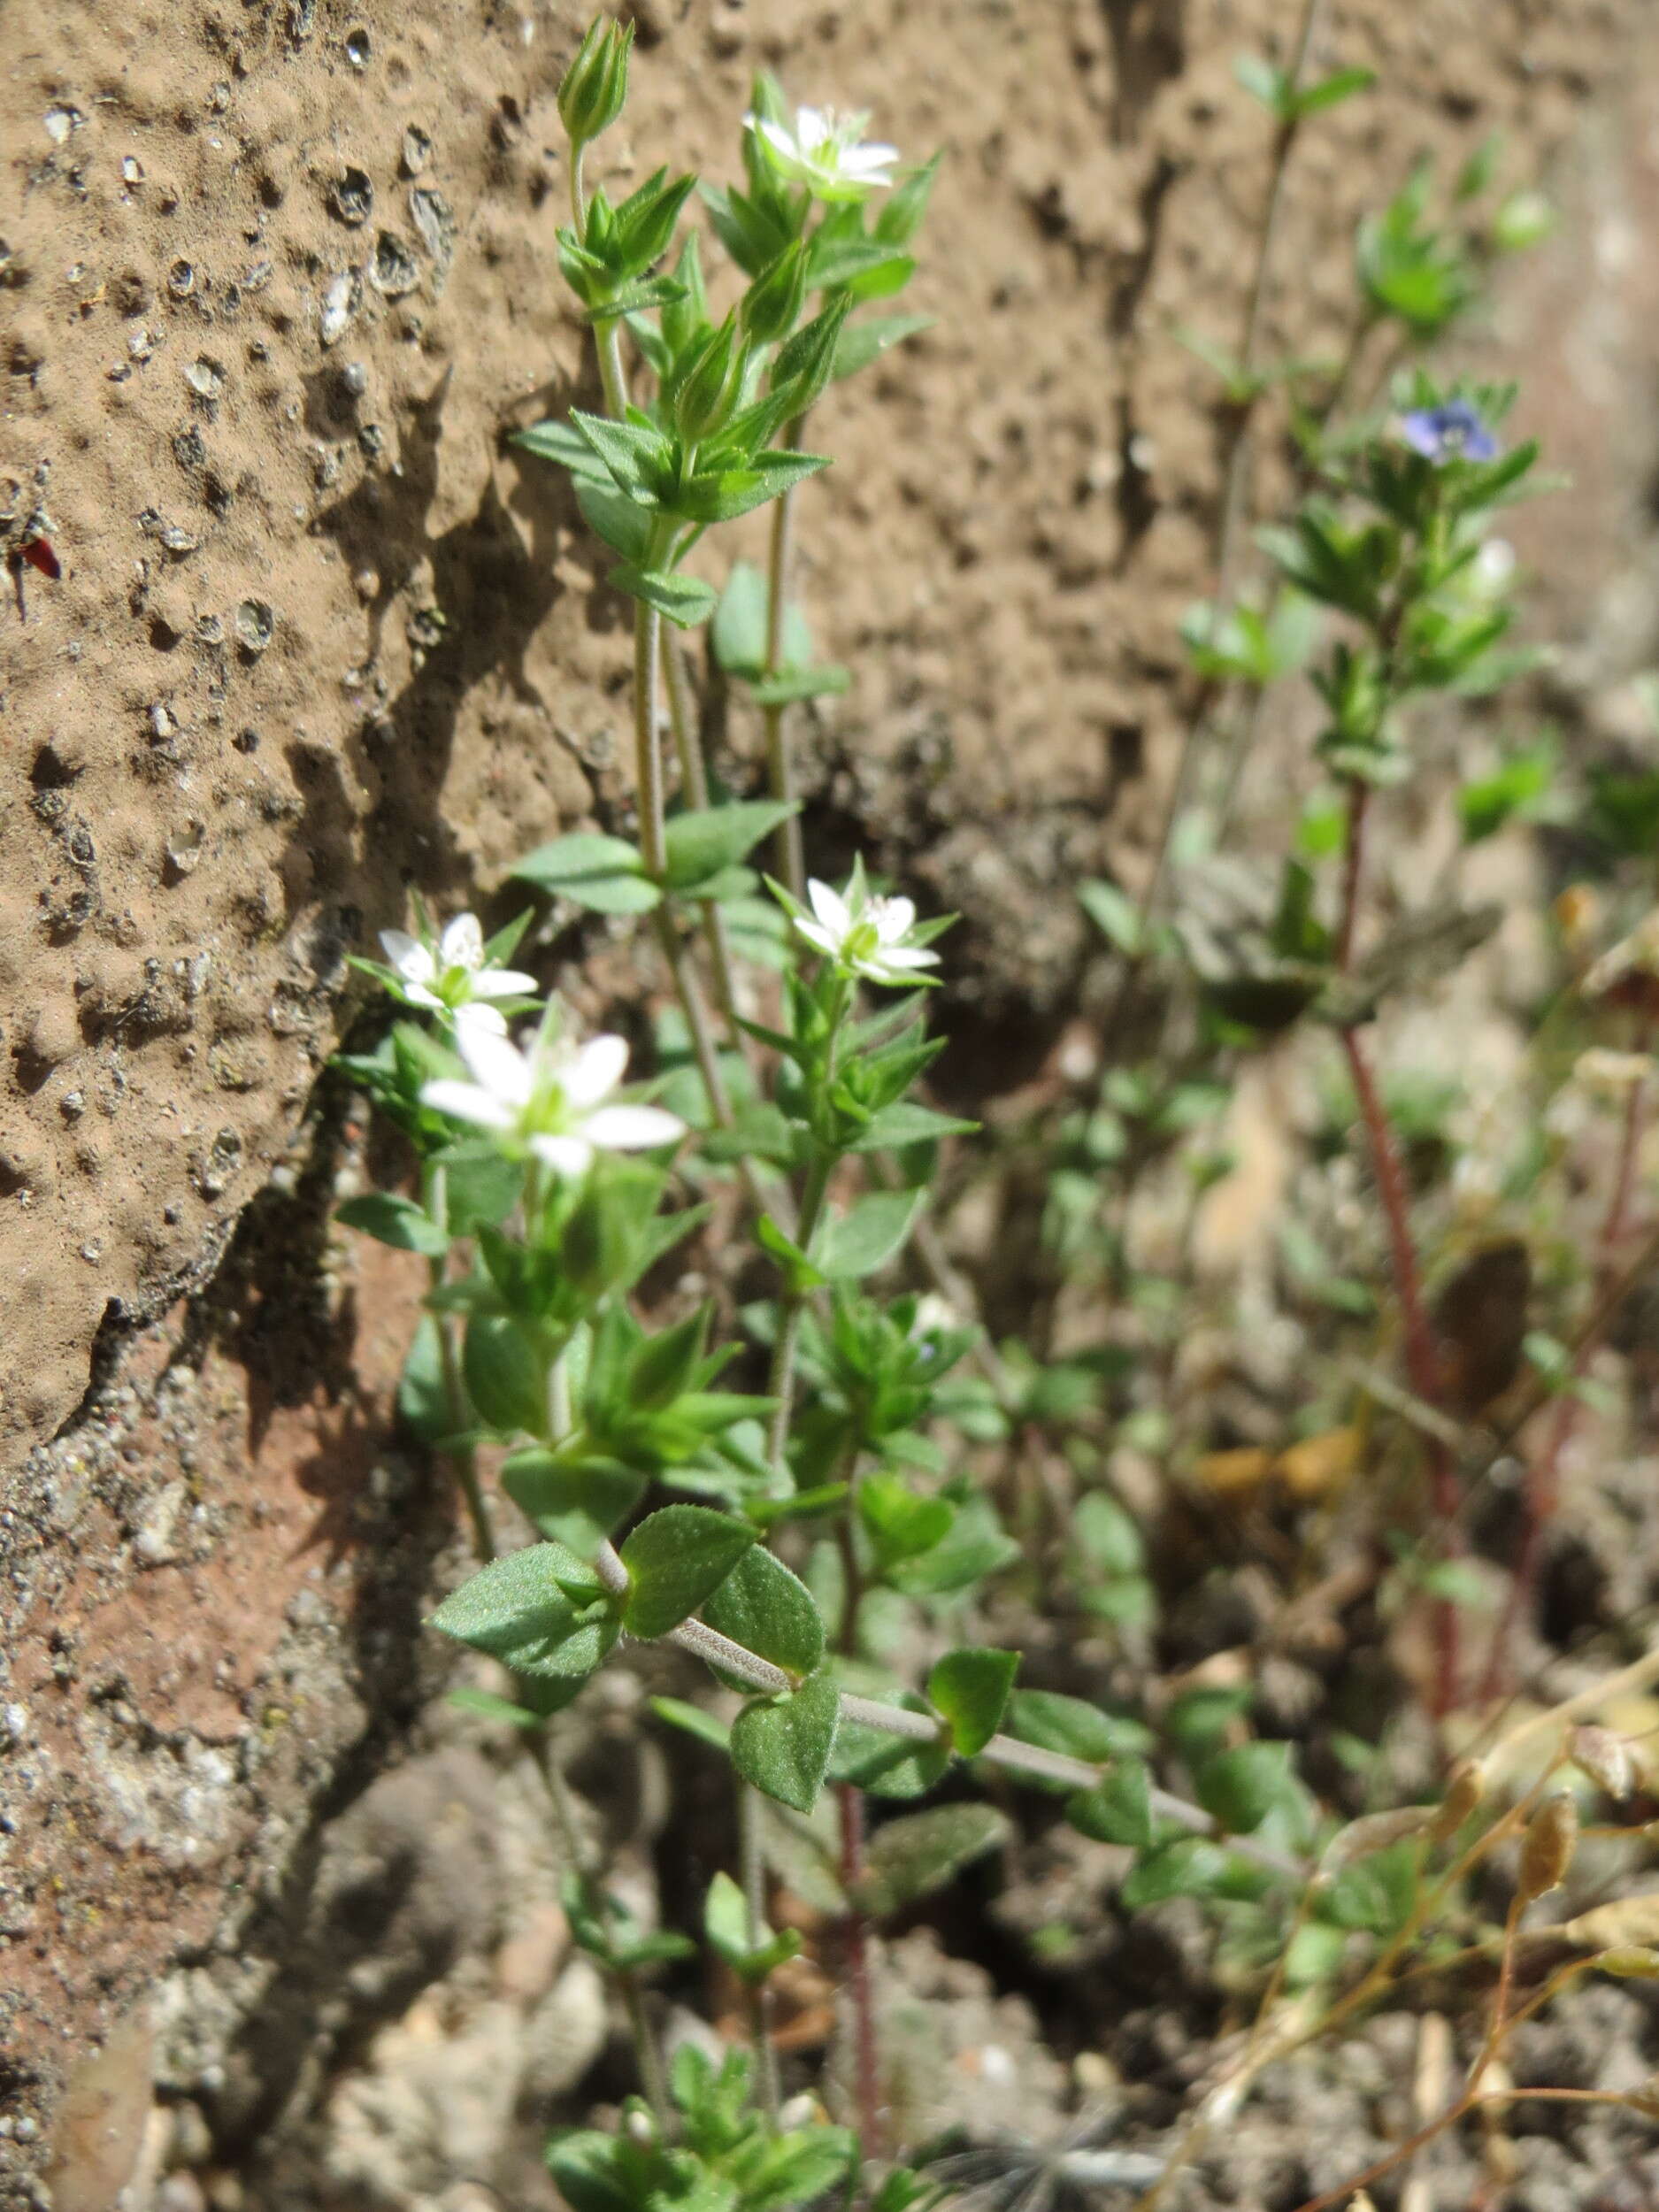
x: 275, y: 281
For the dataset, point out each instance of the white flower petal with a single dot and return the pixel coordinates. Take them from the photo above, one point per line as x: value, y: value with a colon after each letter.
x: 593, y: 1072
x: 865, y: 161
x: 632, y: 1128
x: 462, y: 943
x: 812, y: 126
x: 498, y: 1065
x: 502, y: 983
x: 831, y: 909
x: 779, y: 139
x: 906, y: 956
x: 467, y: 1102
x: 410, y: 958
x: 823, y: 940
x: 565, y: 1155
x: 894, y: 918
x: 473, y: 1014
x: 417, y: 994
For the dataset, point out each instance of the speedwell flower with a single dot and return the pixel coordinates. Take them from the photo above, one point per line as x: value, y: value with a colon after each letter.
x: 1456, y: 431
x: 548, y: 1099
x: 823, y: 153
x: 452, y: 976
x: 862, y: 934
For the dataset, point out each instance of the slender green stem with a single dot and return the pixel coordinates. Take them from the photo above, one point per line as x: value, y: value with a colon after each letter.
x: 608, y: 332
x: 435, y: 1193
x: 694, y: 779
x: 752, y: 1849
x: 647, y: 757
x: 1236, y: 480
x: 781, y: 1386
x: 790, y: 851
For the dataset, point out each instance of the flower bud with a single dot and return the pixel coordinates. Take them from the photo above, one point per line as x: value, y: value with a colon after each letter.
x: 1466, y: 1787
x: 772, y: 305
x: 707, y: 393
x: 1547, y: 1853
x: 1605, y: 1758
x: 593, y: 89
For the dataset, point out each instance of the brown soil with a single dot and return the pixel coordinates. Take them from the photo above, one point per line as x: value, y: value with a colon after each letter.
x: 319, y: 636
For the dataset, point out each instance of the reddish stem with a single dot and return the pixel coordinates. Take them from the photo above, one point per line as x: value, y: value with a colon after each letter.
x: 855, y: 1943
x: 1422, y: 1361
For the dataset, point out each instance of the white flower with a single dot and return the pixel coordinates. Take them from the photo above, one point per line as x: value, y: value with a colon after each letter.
x: 549, y: 1101
x: 862, y: 934
x: 822, y: 152
x: 452, y: 977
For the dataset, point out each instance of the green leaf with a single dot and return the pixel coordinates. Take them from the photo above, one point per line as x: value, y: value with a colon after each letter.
x: 594, y: 2172
x: 676, y: 1559
x: 613, y: 517
x: 1107, y: 1535
x: 693, y: 1720
x: 910, y: 1857
x: 520, y: 1610
x: 725, y: 494
x: 482, y: 1187
x: 971, y: 1688
x: 770, y: 1611
x: 782, y: 1745
x: 862, y: 342
x: 557, y: 442
x: 1190, y: 1867
x: 684, y: 600
x: 1262, y: 82
x: 423, y: 1390
x: 725, y: 1923
x: 487, y: 1706
x: 885, y: 1765
x: 904, y: 1122
x: 1118, y: 1808
x: 1070, y: 1725
x: 739, y: 632
x: 700, y: 846
x: 504, y: 1379
x: 1329, y: 91
x: 854, y: 1244
x: 1240, y: 1786
x: 578, y: 1502
x: 900, y: 1524
x: 395, y: 1221
x: 975, y: 1547
x: 1113, y: 912
x: 635, y: 455
x: 605, y: 874
x: 789, y: 685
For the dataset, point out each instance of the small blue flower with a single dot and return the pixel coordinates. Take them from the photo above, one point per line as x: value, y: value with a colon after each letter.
x: 1456, y: 431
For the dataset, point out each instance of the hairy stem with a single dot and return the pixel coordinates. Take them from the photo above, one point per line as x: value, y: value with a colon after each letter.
x: 1007, y: 1752
x: 789, y: 850
x: 607, y: 333
x: 780, y: 1388
x: 694, y: 779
